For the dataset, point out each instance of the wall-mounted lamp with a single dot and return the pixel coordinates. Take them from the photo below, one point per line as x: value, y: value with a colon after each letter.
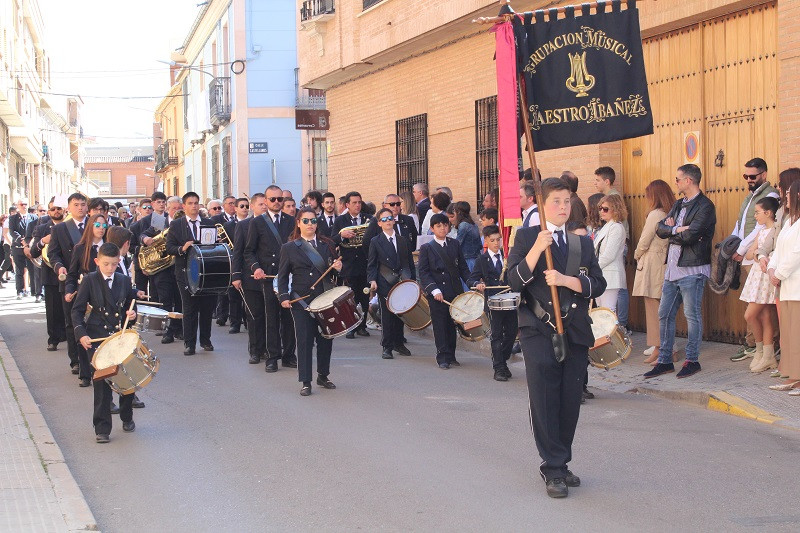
x: 719, y: 159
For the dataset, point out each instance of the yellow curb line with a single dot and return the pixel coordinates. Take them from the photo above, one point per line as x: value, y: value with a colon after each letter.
x: 733, y: 405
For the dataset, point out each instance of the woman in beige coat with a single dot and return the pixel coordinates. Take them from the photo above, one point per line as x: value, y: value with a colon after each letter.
x: 651, y: 259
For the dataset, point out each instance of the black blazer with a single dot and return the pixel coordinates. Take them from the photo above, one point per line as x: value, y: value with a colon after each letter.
x: 179, y: 234
x: 261, y: 249
x: 64, y: 237
x: 532, y: 285
x: 323, y: 228
x: 76, y: 268
x: 354, y: 260
x: 49, y: 277
x: 222, y: 218
x: 484, y: 271
x: 383, y: 254
x: 108, y: 306
x: 294, y: 261
x: 17, y: 228
x: 422, y: 209
x: 239, y: 242
x: 434, y: 274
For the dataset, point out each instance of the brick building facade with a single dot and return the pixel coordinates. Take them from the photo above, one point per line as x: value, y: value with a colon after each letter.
x: 121, y: 172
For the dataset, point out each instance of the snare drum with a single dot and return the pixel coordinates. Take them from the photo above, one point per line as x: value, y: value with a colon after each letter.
x: 151, y: 319
x: 466, y: 310
x: 336, y: 311
x: 508, y: 301
x: 407, y: 302
x: 125, y: 361
x: 208, y: 269
x: 611, y: 345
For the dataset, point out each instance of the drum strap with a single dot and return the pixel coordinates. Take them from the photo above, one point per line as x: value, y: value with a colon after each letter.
x: 316, y: 260
x: 573, y: 267
x: 272, y: 228
x: 455, y: 278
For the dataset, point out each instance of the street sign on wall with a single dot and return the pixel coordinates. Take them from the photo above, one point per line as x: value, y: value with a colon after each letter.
x: 258, y: 148
x: 312, y: 119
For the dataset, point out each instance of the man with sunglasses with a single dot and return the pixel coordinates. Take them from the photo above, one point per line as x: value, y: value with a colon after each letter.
x: 217, y: 213
x: 746, y: 229
x: 39, y: 217
x: 17, y: 227
x: 354, y: 259
x: 54, y: 311
x: 143, y: 233
x: 232, y: 303
x: 265, y: 236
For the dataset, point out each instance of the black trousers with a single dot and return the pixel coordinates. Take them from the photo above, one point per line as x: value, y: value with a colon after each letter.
x: 504, y: 332
x: 358, y: 284
x: 234, y: 307
x: 142, y: 282
x: 197, y: 311
x: 288, y: 342
x: 72, y: 345
x: 21, y: 264
x: 102, y: 407
x: 221, y: 310
x: 307, y: 331
x: 554, y: 392
x: 37, y: 280
x: 54, y: 312
x: 391, y: 327
x: 444, y: 331
x: 256, y: 325
x: 272, y: 312
x: 166, y: 289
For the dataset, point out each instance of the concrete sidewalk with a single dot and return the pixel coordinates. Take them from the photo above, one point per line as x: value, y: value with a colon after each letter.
x: 37, y: 490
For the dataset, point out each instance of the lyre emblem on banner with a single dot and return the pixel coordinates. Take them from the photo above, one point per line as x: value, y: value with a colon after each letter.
x: 579, y: 80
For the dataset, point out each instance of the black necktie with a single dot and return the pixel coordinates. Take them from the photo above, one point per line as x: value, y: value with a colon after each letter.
x: 330, y: 221
x: 444, y: 244
x: 110, y: 282
x: 498, y: 263
x: 313, y: 244
x: 354, y: 222
x: 80, y: 227
x: 194, y: 230
x: 277, y: 219
x: 560, y: 243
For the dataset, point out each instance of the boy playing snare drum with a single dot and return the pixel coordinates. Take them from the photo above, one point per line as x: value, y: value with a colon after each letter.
x: 110, y: 294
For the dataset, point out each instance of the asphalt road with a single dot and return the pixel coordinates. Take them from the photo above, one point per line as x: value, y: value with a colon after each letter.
x: 400, y: 445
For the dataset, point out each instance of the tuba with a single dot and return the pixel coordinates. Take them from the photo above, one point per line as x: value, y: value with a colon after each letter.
x: 154, y: 258
x: 356, y: 240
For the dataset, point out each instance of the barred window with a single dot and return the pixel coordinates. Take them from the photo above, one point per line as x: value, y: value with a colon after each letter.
x: 486, y: 171
x: 215, y: 171
x: 370, y: 3
x: 411, y: 137
x: 226, y: 166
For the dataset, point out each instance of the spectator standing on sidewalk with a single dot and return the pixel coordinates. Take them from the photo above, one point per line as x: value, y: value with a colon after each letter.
x: 651, y: 258
x: 747, y: 228
x: 593, y: 222
x: 689, y: 226
x: 609, y: 245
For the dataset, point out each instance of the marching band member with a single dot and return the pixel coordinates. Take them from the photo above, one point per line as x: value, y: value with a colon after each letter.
x: 197, y: 309
x: 141, y: 279
x: 555, y: 386
x: 442, y: 268
x: 235, y: 306
x: 354, y: 271
x: 306, y: 258
x: 390, y: 261
x: 85, y: 252
x: 110, y: 295
x: 328, y: 215
x: 489, y: 271
x: 63, y: 238
x: 54, y: 311
x: 253, y: 293
x: 265, y: 237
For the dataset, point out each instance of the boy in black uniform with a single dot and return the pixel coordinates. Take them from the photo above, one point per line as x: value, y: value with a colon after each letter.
x: 442, y: 268
x: 489, y: 271
x: 555, y: 386
x: 110, y: 294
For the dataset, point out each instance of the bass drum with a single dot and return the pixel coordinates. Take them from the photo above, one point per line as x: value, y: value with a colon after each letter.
x: 407, y: 302
x: 611, y: 345
x: 208, y: 269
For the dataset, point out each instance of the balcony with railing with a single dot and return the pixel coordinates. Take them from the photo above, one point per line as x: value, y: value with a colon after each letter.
x: 219, y: 98
x: 317, y: 10
x: 166, y: 155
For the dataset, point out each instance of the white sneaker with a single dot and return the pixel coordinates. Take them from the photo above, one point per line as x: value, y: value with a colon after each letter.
x: 649, y: 351
x: 795, y: 392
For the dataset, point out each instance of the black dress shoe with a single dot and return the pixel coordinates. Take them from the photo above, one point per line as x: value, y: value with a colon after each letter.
x: 402, y: 350
x: 444, y: 366
x: 178, y: 335
x: 572, y: 480
x: 350, y: 335
x: 557, y: 488
x: 101, y: 438
x: 52, y: 347
x: 362, y: 332
x: 74, y: 369
x: 207, y: 347
x: 188, y: 351
x: 254, y: 359
x: 84, y: 382
x: 516, y: 348
x: 588, y: 395
x: 114, y: 409
x: 325, y: 383
x: 306, y: 390
x: 499, y: 375
x: 137, y: 403
x: 506, y: 371
x: 387, y: 354
x: 289, y: 364
x: 167, y: 338
x: 235, y: 329
x: 454, y: 363
x: 272, y: 366
x: 129, y: 427
x: 221, y: 321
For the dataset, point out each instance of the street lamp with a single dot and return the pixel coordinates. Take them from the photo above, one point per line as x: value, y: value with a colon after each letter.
x: 187, y: 67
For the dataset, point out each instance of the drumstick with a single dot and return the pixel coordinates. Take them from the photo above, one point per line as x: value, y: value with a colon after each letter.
x: 125, y: 325
x: 98, y: 340
x: 148, y: 303
x: 62, y: 277
x: 453, y: 306
x: 245, y: 302
x: 298, y: 299
x: 497, y: 287
x: 253, y: 275
x: 322, y: 276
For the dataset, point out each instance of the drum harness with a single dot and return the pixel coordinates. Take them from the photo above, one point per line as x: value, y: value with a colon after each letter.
x: 104, y: 313
x: 316, y: 260
x: 573, y: 269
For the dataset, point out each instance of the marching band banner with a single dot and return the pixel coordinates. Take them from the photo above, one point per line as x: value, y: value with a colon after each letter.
x: 584, y: 75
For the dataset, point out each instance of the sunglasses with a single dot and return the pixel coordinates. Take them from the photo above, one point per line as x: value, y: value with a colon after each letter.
x: 244, y: 206
x: 387, y: 219
x: 308, y: 220
x: 749, y: 177
x: 215, y: 209
x: 56, y: 209
x: 275, y: 198
x: 100, y: 225
x: 605, y: 209
x: 42, y: 211
x: 394, y: 204
x: 150, y: 207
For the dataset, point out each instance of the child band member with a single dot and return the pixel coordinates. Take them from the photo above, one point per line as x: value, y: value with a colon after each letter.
x: 306, y: 257
x: 489, y: 272
x: 442, y: 268
x: 110, y: 294
x: 555, y: 384
x: 389, y: 261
